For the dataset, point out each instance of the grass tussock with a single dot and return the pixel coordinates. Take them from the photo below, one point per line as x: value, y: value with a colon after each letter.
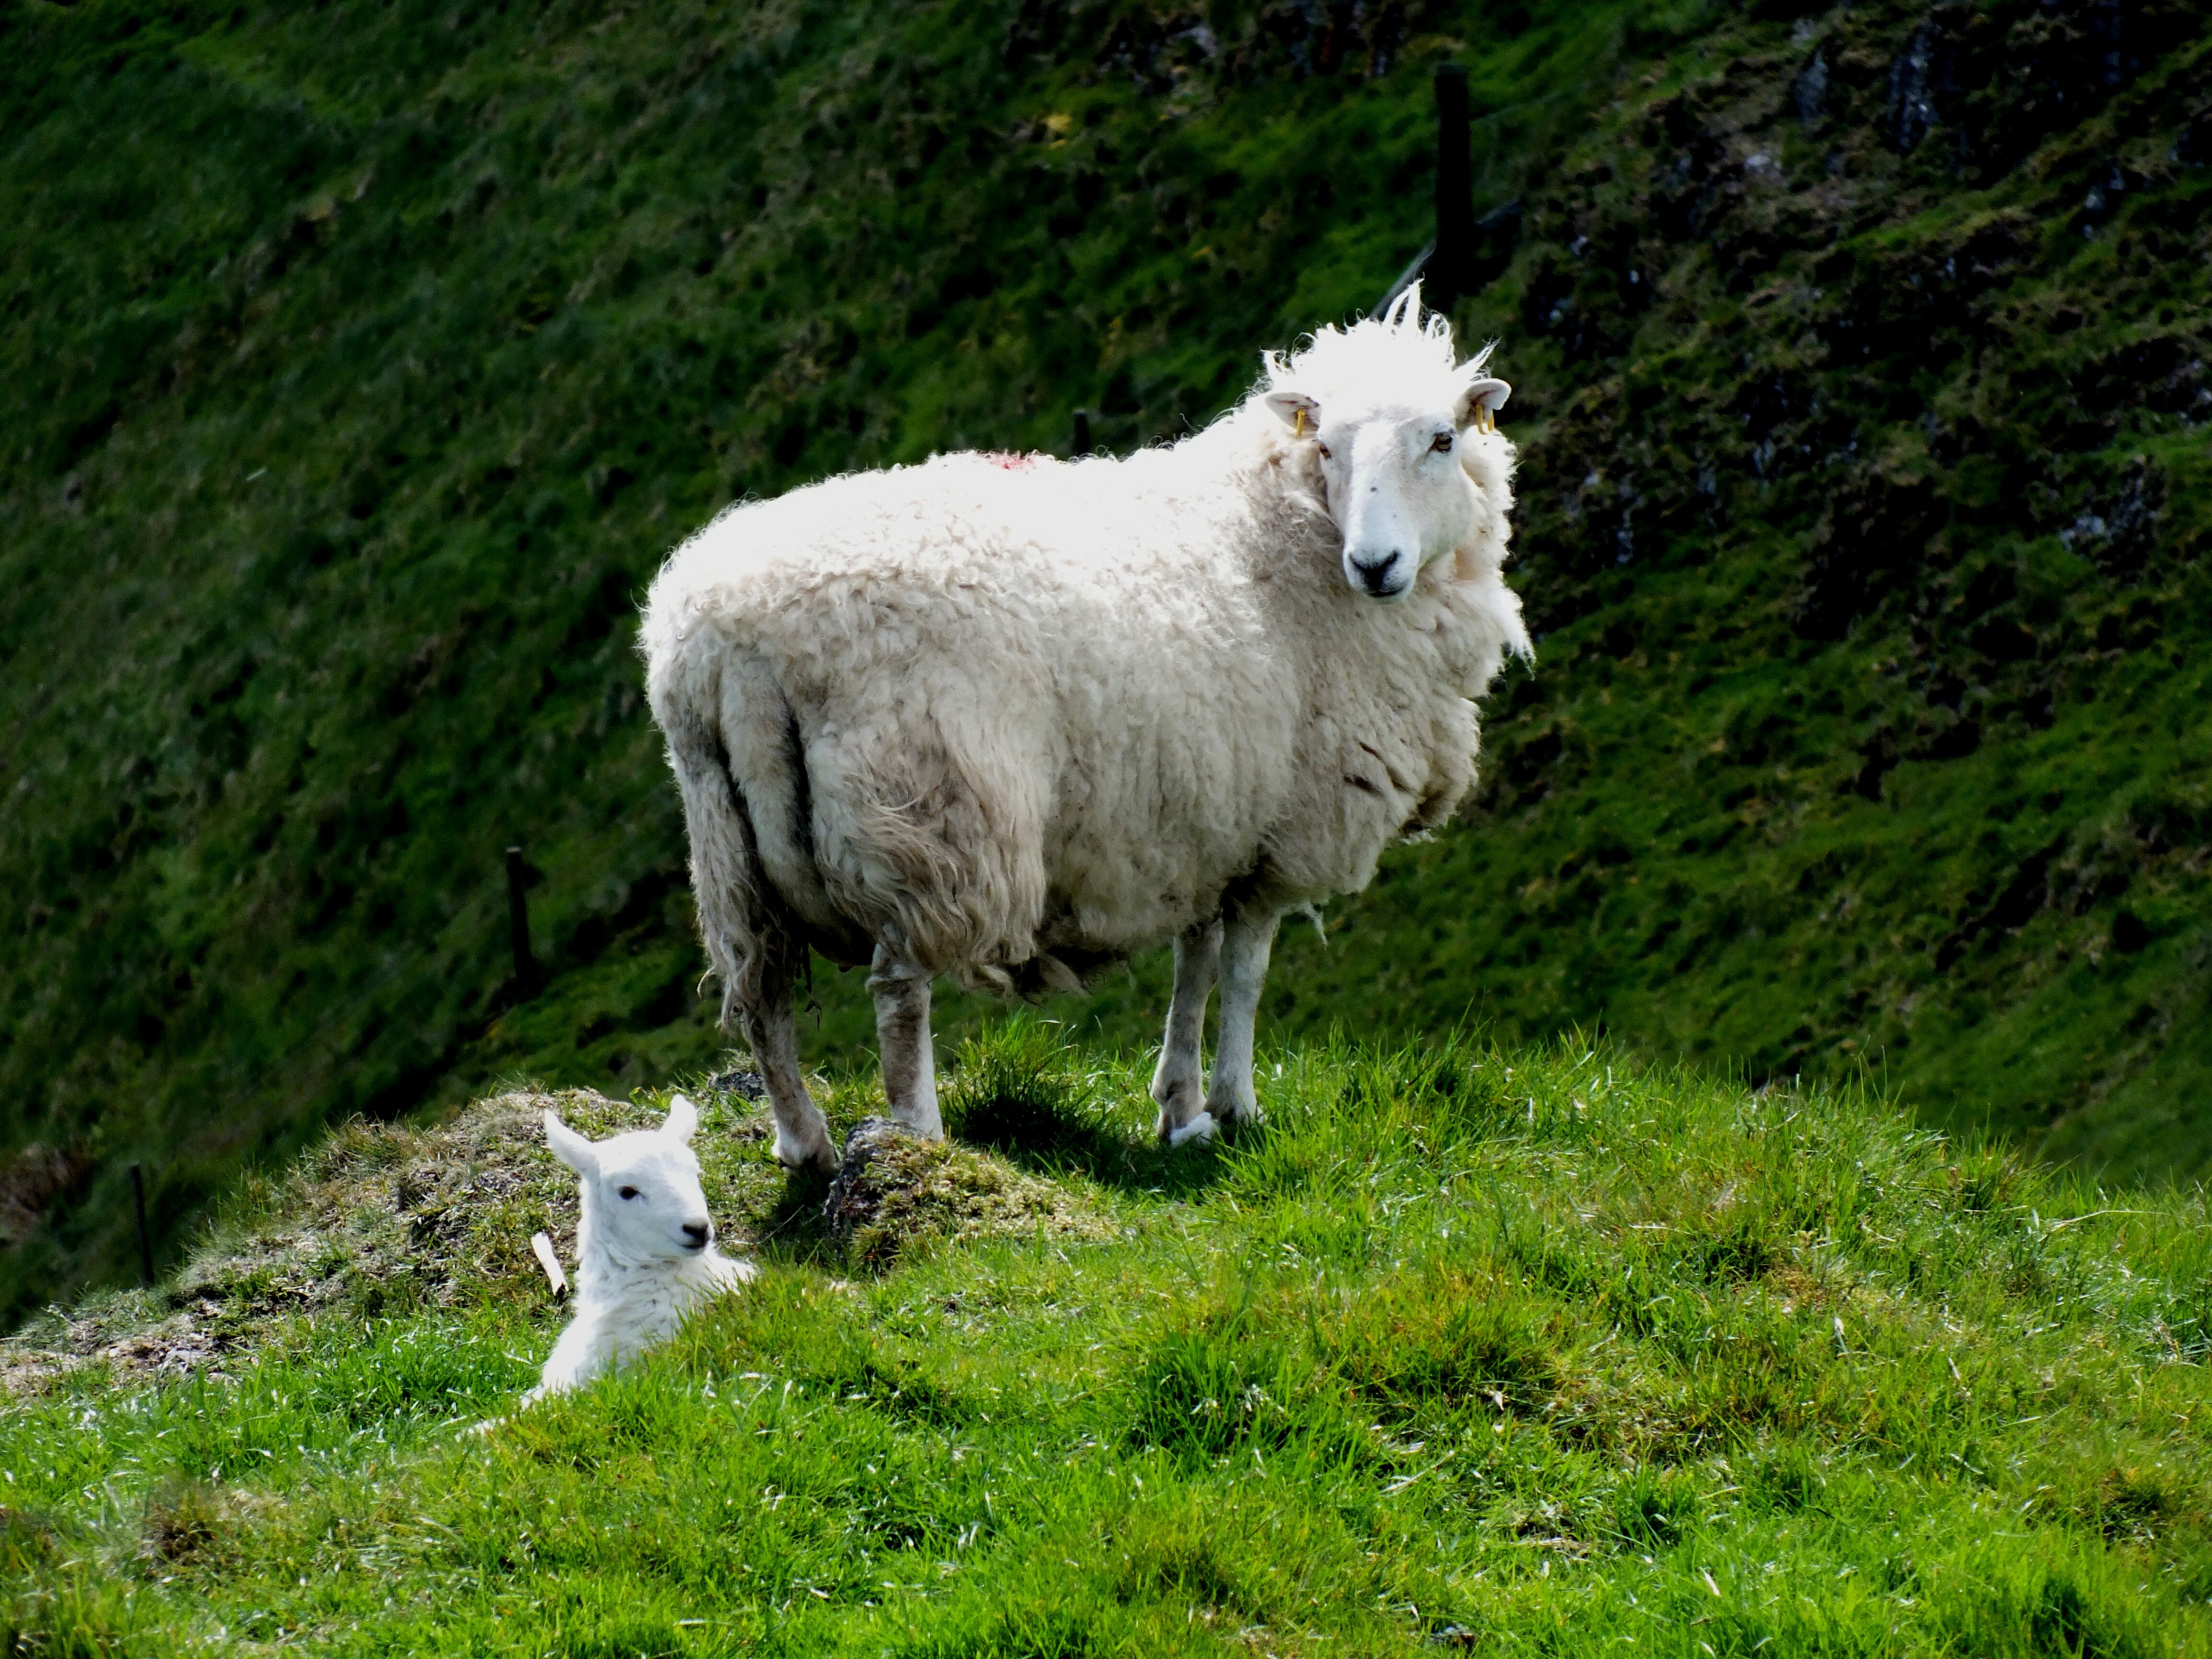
x: 1511, y: 1350
x: 910, y: 1192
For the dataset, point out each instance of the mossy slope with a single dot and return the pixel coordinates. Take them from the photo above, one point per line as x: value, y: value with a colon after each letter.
x: 361, y: 363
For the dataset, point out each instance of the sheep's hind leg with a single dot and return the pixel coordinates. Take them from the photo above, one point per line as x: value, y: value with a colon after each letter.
x: 1246, y: 941
x: 1179, y: 1081
x: 902, y: 992
x: 802, y: 1133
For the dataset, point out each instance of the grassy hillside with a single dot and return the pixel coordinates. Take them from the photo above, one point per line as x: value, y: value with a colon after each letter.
x: 1468, y: 1348
x: 361, y: 363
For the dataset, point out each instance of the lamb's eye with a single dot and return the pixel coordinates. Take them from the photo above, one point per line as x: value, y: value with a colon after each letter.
x: 630, y: 1192
x: 1324, y: 451
x: 1443, y: 445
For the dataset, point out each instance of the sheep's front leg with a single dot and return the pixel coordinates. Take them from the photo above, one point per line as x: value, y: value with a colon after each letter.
x: 902, y: 993
x: 1246, y: 941
x: 802, y: 1134
x: 1179, y: 1081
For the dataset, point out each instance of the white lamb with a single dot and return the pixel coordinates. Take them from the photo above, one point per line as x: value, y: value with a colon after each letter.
x: 1009, y: 718
x: 645, y: 1247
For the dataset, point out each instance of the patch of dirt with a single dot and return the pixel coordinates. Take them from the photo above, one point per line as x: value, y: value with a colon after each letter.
x: 29, y: 1181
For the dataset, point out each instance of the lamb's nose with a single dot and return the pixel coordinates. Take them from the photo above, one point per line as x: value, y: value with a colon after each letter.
x: 695, y: 1234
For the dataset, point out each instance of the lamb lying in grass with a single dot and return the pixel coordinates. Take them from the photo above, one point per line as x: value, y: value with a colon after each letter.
x: 645, y: 1248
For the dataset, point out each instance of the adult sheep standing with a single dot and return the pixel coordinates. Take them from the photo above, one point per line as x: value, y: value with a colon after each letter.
x: 1009, y: 719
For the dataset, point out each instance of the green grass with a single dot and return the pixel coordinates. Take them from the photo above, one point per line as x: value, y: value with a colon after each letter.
x: 359, y: 364
x: 1527, y: 1351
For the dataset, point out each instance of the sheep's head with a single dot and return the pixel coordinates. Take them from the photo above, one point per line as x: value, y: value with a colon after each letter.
x: 1389, y: 415
x: 642, y: 1201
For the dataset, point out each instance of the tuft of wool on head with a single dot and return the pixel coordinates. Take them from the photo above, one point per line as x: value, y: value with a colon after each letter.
x: 1401, y: 357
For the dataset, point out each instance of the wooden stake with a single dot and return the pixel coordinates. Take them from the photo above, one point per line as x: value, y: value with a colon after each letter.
x: 145, y: 1238
x: 518, y: 925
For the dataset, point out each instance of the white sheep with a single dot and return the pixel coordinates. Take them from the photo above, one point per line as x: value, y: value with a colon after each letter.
x: 1009, y: 718
x: 645, y: 1247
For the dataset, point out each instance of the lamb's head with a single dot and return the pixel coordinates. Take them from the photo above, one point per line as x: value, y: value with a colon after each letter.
x: 1388, y: 417
x: 642, y: 1203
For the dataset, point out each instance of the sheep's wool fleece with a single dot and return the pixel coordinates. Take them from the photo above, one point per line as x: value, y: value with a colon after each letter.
x: 623, y: 1311
x: 1006, y: 712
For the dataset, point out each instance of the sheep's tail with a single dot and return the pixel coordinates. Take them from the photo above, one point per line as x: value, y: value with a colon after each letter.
x: 732, y: 745
x: 737, y: 916
x: 910, y: 844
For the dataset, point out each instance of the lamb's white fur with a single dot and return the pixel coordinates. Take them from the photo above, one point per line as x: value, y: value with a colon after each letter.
x: 1008, y: 717
x: 642, y: 1261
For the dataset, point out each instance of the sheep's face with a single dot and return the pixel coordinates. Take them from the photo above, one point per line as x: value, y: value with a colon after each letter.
x: 642, y: 1202
x: 1392, y: 477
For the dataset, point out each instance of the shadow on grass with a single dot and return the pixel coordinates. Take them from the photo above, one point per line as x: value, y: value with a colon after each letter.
x: 1018, y: 1091
x: 793, y: 1229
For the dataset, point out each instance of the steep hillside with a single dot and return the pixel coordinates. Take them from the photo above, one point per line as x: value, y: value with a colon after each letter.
x: 361, y: 363
x: 1866, y: 528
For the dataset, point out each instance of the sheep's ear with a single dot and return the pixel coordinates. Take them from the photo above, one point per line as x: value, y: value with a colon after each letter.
x: 571, y: 1148
x: 1296, y: 410
x: 1479, y: 400
x: 682, y: 1119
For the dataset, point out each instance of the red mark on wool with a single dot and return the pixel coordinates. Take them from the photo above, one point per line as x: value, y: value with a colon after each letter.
x: 1012, y: 462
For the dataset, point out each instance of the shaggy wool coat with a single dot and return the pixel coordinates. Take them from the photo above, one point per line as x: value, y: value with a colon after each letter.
x: 1010, y: 717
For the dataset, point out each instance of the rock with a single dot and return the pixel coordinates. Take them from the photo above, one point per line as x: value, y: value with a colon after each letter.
x: 751, y: 1085
x: 855, y: 1198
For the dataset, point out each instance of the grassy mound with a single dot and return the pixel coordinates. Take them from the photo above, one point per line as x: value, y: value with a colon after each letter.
x: 1512, y: 1351
x: 386, y: 1221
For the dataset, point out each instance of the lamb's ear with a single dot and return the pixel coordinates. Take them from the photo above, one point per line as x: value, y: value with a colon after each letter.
x: 1479, y: 400
x: 571, y: 1148
x: 1296, y: 410
x: 682, y: 1119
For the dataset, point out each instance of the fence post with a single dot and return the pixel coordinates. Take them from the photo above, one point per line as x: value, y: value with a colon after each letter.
x: 1082, y: 432
x: 517, y: 925
x: 1445, y: 278
x: 145, y: 1240
x: 1445, y: 266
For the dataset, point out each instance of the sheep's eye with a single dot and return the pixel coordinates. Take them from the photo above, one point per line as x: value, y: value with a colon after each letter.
x: 1324, y: 451
x: 1443, y: 445
x: 630, y: 1192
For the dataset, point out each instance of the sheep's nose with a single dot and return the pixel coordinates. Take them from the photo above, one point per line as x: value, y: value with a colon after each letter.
x: 1378, y: 576
x: 696, y: 1234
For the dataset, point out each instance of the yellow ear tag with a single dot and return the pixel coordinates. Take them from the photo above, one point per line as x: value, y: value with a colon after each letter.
x: 1299, y: 430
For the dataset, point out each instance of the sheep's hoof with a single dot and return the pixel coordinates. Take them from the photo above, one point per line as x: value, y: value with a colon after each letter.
x: 1201, y: 1127
x: 1233, y: 1115
x: 822, y: 1160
